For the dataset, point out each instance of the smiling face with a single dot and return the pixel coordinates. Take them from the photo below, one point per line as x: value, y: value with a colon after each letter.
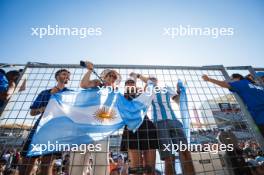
x: 110, y: 78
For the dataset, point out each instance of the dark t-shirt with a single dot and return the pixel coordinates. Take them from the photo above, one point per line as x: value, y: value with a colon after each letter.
x: 43, y: 98
x: 253, y: 97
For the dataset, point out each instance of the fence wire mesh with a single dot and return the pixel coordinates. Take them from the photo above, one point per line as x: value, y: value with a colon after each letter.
x: 212, y: 110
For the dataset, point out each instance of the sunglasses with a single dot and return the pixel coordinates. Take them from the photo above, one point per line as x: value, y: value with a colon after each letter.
x: 130, y: 82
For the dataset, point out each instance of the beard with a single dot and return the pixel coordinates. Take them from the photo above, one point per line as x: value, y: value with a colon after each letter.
x: 64, y: 81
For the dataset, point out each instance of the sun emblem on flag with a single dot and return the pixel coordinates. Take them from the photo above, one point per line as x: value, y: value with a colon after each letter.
x: 105, y: 114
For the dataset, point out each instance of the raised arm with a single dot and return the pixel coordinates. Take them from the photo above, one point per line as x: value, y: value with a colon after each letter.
x: 222, y: 84
x: 11, y: 89
x: 141, y: 77
x: 86, y: 82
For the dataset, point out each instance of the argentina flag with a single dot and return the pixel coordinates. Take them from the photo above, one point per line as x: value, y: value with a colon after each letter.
x: 86, y: 116
x: 183, y: 106
x: 184, y: 110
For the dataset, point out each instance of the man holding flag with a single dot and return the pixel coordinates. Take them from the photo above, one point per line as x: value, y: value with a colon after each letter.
x: 110, y: 78
x: 74, y: 120
x: 62, y: 77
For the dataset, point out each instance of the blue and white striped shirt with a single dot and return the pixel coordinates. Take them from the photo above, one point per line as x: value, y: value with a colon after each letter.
x: 161, y: 107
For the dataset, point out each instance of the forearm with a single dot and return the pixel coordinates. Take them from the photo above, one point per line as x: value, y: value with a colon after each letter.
x: 85, y: 82
x: 10, y: 91
x: 35, y: 112
x: 143, y: 78
x: 223, y: 84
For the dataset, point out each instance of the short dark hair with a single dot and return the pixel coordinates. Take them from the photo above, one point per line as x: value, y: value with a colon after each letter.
x: 11, y: 74
x: 238, y: 76
x: 60, y: 71
x: 130, y: 81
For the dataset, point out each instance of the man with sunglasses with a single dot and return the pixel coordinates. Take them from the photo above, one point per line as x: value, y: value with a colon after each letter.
x: 251, y: 94
x: 108, y: 77
x: 80, y: 162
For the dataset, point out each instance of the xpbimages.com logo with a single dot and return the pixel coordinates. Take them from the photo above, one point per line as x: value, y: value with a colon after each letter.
x: 81, y: 32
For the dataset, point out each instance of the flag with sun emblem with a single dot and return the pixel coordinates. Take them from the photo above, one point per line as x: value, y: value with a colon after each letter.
x: 82, y: 117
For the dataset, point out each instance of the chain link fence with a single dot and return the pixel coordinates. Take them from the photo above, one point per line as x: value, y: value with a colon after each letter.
x: 212, y: 109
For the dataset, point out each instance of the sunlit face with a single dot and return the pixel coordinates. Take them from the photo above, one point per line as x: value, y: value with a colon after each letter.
x: 110, y: 78
x: 63, y: 77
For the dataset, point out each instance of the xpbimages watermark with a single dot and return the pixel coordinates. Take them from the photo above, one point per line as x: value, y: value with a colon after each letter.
x: 58, y: 147
x: 212, y: 148
x: 56, y: 30
x: 149, y: 90
x: 195, y: 31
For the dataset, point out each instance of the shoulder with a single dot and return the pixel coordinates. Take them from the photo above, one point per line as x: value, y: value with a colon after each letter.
x: 239, y: 83
x: 93, y: 83
x: 244, y: 81
x: 67, y: 89
x: 45, y: 92
x: 97, y: 83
